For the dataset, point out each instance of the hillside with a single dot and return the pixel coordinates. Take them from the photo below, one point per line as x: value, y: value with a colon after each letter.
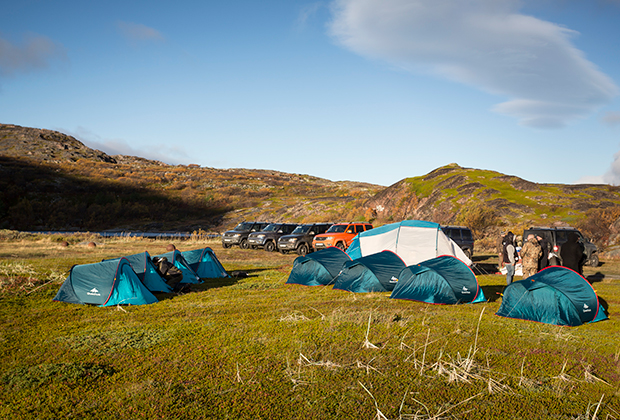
x: 488, y: 201
x: 49, y: 180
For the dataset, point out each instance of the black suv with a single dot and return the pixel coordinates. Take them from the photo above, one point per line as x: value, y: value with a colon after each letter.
x: 239, y: 235
x: 268, y: 237
x: 556, y: 237
x: 300, y: 239
x: 462, y: 236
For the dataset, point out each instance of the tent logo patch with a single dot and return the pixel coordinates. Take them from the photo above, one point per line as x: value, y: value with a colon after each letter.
x: 393, y: 280
x: 586, y: 308
x: 93, y: 292
x: 465, y: 291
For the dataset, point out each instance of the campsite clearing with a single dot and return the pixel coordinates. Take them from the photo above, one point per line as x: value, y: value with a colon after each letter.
x: 255, y: 347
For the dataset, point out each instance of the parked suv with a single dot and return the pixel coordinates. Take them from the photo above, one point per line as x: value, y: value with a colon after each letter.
x: 239, y: 235
x: 339, y: 235
x: 300, y: 240
x: 558, y: 236
x: 462, y: 236
x: 268, y: 237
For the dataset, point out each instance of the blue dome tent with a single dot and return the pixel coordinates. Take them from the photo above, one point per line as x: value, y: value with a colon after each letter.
x: 176, y: 258
x: 318, y: 268
x: 555, y: 295
x: 374, y: 273
x: 204, y: 263
x: 143, y: 266
x: 441, y: 280
x: 106, y: 283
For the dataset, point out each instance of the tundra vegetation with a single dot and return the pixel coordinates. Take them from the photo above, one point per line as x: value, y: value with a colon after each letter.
x: 254, y: 347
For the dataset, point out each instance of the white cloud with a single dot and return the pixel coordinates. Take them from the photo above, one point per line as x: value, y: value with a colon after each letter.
x: 136, y: 32
x: 612, y: 176
x: 591, y: 180
x: 174, y: 155
x: 36, y: 53
x: 487, y: 44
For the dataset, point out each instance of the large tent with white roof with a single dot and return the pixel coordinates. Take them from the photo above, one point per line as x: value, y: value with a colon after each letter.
x: 412, y: 240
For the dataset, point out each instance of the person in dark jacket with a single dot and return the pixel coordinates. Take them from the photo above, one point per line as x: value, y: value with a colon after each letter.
x: 510, y: 256
x: 170, y: 273
x: 572, y: 253
x: 543, y: 262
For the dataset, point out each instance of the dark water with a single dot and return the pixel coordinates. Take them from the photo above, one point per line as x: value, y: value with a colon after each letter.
x: 127, y: 234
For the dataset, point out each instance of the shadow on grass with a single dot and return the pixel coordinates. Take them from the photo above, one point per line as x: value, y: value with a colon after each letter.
x: 604, y: 304
x: 493, y: 293
x: 483, y: 268
x: 596, y: 277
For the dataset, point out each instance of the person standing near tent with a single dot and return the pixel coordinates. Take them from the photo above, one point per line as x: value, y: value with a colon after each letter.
x: 170, y: 273
x: 500, y: 251
x: 530, y: 254
x: 510, y: 256
x: 572, y: 253
x: 543, y: 261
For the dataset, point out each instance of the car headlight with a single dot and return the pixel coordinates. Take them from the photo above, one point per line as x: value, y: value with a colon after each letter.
x: 329, y: 238
x: 260, y: 236
x: 236, y: 235
x: 293, y: 240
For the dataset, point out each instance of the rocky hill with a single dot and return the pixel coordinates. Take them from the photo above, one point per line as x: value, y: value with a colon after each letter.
x: 49, y: 180
x: 489, y: 202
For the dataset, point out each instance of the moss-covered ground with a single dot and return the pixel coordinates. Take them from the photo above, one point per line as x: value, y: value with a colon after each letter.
x: 256, y: 348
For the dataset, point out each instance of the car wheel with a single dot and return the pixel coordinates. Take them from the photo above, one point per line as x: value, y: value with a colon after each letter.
x: 226, y: 246
x: 302, y: 249
x: 243, y: 244
x: 270, y: 246
x: 593, y: 261
x: 340, y: 245
x: 468, y: 253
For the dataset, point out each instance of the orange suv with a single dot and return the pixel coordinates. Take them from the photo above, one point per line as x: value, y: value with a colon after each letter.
x: 339, y: 235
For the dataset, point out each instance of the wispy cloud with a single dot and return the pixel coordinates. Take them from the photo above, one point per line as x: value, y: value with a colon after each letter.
x: 611, y: 118
x: 136, y: 32
x: 487, y: 44
x: 36, y: 52
x: 174, y: 155
x: 306, y: 13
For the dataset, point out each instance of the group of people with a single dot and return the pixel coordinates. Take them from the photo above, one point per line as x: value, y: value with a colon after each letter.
x: 535, y: 253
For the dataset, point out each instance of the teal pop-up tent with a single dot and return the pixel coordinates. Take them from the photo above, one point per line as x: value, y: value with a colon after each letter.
x: 318, y: 268
x: 107, y: 283
x: 143, y: 266
x: 373, y: 273
x: 176, y: 258
x: 441, y: 280
x: 555, y: 295
x: 204, y: 263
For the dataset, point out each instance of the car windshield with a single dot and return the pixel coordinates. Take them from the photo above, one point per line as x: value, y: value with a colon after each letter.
x: 336, y: 229
x: 243, y: 226
x: 272, y: 227
x: 301, y: 229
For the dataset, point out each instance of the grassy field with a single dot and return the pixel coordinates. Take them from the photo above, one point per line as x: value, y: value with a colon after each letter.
x: 256, y: 348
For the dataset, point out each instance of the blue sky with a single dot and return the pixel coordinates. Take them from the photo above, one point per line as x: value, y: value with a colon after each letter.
x: 362, y: 90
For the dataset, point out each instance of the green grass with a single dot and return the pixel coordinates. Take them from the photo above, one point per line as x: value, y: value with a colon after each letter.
x: 256, y: 348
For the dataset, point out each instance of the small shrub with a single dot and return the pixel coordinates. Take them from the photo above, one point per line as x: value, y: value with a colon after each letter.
x: 478, y: 217
x: 32, y: 376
